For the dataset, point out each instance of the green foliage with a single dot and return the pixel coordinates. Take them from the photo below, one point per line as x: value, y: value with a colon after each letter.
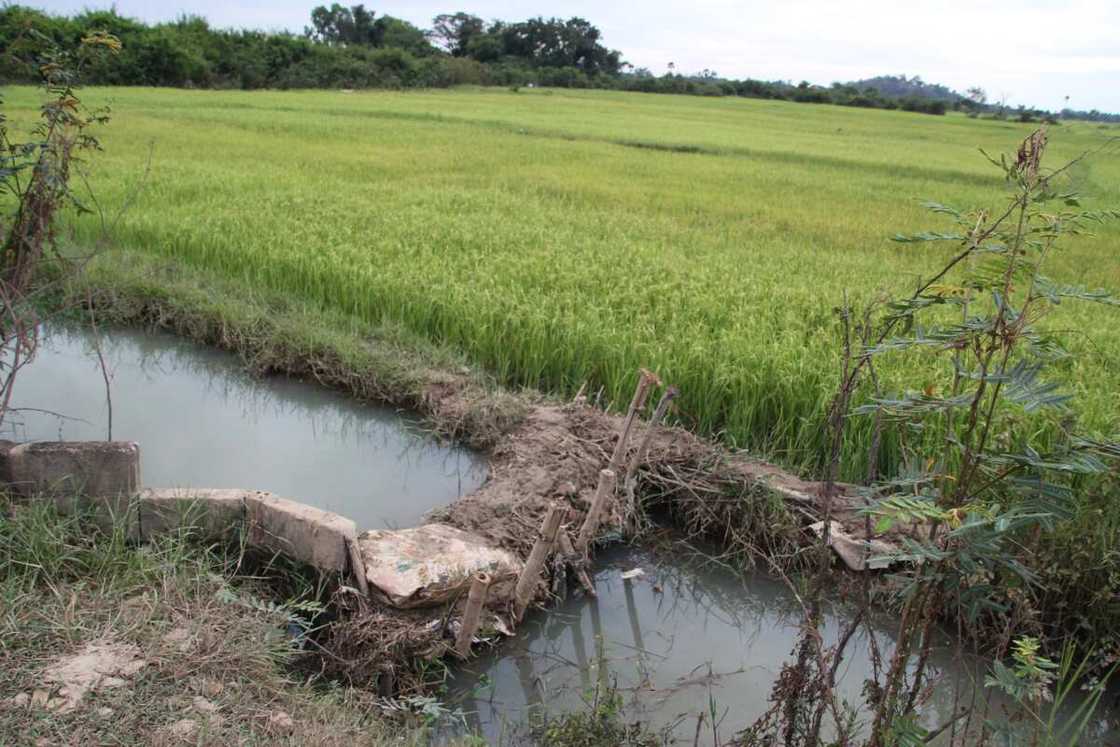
x: 334, y: 52
x: 987, y: 493
x: 1058, y: 699
x: 36, y: 176
x: 601, y: 723
x: 1029, y: 678
x: 189, y: 53
x: 980, y: 487
x: 41, y: 548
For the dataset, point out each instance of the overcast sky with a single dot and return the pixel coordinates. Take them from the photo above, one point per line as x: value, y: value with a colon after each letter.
x: 1033, y: 52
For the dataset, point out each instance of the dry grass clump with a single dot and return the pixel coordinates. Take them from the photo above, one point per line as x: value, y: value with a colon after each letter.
x: 106, y: 643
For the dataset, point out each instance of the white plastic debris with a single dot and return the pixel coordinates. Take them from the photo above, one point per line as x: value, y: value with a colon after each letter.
x: 632, y: 573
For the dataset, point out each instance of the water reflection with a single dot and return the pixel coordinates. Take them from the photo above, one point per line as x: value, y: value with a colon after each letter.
x: 686, y: 637
x: 202, y: 421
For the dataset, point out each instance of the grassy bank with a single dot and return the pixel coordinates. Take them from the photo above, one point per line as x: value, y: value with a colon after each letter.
x: 171, y: 643
x: 563, y: 238
x: 371, y: 361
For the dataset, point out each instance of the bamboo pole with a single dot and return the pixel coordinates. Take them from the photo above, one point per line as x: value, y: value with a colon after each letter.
x: 574, y: 560
x: 630, y: 482
x: 646, y: 380
x: 472, y: 615
x: 530, y: 575
x: 591, y: 523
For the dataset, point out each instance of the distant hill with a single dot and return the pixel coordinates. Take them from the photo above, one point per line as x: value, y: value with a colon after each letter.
x: 899, y: 86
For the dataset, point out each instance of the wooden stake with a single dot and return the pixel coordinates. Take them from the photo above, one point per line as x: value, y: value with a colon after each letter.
x: 575, y: 562
x: 591, y: 523
x: 646, y: 380
x: 472, y: 615
x: 530, y: 575
x: 630, y: 483
x: 358, y: 567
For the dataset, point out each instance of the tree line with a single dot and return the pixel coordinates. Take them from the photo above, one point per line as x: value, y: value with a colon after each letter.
x: 354, y: 47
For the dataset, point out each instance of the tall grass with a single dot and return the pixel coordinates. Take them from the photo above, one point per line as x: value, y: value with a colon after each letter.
x: 564, y: 237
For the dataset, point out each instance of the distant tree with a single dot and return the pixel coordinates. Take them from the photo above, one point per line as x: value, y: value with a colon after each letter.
x: 901, y: 86
x: 341, y: 25
x: 556, y: 43
x: 453, y: 33
x: 486, y: 47
x: 977, y: 96
x: 1001, y: 107
x: 398, y: 33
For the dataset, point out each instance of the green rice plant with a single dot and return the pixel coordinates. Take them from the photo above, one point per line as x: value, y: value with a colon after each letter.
x: 567, y: 237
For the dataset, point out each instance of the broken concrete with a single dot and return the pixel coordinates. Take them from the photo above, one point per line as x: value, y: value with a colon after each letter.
x: 212, y: 513
x: 432, y: 564
x: 304, y: 533
x: 857, y: 554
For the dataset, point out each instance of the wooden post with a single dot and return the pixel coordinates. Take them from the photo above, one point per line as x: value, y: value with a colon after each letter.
x: 591, y: 523
x: 630, y: 514
x: 358, y: 567
x: 574, y: 560
x: 530, y: 575
x: 646, y: 380
x: 476, y: 599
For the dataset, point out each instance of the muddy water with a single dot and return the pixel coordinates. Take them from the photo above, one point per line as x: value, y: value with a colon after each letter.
x: 201, y: 421
x: 685, y: 638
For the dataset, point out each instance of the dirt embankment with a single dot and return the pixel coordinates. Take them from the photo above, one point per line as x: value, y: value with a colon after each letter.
x: 553, y: 454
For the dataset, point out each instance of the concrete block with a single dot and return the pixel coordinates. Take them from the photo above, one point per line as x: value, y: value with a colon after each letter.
x: 5, y: 469
x: 212, y: 513
x: 304, y: 533
x: 434, y: 564
x: 77, y: 474
x: 94, y: 469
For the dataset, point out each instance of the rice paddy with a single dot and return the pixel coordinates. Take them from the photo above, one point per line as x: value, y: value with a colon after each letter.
x: 567, y: 237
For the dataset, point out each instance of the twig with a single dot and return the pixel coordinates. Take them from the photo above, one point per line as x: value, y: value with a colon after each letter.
x: 575, y: 561
x: 104, y: 367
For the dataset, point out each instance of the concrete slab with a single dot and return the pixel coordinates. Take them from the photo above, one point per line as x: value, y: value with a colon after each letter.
x: 211, y: 513
x: 433, y: 564
x: 77, y: 474
x: 304, y: 533
x: 92, y: 468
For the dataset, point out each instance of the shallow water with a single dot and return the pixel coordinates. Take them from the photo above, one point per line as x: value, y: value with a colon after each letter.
x: 202, y: 421
x: 687, y: 637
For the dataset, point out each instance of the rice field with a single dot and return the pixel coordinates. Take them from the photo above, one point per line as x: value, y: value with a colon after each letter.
x: 564, y: 237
